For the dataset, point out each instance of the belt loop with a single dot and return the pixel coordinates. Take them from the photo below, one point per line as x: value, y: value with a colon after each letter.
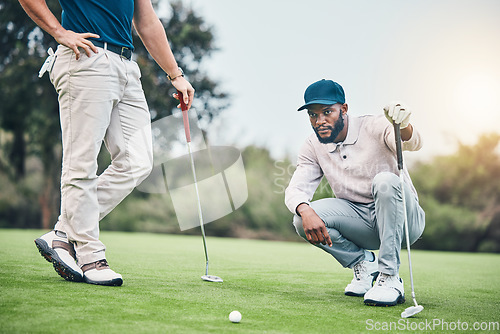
x: 105, y: 46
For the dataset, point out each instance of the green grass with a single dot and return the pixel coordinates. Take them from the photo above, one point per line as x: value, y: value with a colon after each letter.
x: 278, y: 287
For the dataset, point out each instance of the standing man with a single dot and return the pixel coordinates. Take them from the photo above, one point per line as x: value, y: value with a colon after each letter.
x: 100, y: 99
x: 357, y: 155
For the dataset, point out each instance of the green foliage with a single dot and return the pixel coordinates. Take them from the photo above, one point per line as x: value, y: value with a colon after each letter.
x: 461, y: 196
x: 264, y: 214
x: 470, y: 177
x: 29, y: 110
x: 191, y: 41
x: 448, y: 227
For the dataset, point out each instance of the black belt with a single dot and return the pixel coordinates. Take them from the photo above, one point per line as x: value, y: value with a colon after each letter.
x: 122, y: 51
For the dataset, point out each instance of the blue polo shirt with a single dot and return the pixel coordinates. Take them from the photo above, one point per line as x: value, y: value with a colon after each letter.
x: 110, y: 19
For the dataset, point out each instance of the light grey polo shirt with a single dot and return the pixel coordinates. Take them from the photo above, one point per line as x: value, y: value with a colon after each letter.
x: 351, y: 165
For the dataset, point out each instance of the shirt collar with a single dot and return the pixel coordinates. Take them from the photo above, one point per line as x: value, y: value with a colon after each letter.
x: 353, y: 126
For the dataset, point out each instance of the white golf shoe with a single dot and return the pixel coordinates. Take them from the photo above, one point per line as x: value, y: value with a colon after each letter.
x: 365, y: 273
x: 55, y: 247
x: 387, y: 291
x: 99, y: 273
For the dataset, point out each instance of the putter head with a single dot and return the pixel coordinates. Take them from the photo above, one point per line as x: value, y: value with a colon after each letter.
x: 411, y: 311
x: 211, y: 278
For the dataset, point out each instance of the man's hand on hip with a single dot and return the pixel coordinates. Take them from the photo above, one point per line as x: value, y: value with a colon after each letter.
x: 74, y: 41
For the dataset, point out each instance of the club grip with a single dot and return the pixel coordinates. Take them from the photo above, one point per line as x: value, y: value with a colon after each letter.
x: 399, y: 151
x: 185, y: 117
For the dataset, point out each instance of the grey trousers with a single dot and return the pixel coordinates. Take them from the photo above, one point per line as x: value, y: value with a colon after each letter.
x: 356, y: 227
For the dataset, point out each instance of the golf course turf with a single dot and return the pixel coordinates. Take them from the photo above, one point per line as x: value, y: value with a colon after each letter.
x: 279, y: 287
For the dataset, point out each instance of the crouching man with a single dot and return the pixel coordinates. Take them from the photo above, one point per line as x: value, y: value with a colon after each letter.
x: 357, y: 155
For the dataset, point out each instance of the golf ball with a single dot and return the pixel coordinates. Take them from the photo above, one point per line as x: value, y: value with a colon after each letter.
x: 235, y: 316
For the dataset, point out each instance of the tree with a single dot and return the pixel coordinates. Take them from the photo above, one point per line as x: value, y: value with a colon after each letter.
x: 461, y: 196
x: 29, y: 121
x: 29, y: 106
x: 29, y: 110
x: 191, y: 41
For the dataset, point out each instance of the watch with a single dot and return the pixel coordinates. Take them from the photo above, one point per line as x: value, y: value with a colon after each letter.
x: 176, y: 76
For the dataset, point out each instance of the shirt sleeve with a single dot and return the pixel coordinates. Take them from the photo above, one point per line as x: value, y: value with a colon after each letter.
x: 305, y: 179
x: 413, y: 144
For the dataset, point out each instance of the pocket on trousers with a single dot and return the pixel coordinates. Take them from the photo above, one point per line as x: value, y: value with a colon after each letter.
x: 60, y: 65
x: 51, y: 69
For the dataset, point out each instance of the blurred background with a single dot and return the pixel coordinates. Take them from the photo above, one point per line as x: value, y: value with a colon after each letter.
x: 250, y: 64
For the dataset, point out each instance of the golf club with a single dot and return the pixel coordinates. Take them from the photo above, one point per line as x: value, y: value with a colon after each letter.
x: 185, y: 119
x: 412, y: 310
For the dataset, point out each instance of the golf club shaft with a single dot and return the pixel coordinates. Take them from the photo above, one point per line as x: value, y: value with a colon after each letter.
x: 399, y: 151
x: 199, y: 206
x: 185, y: 120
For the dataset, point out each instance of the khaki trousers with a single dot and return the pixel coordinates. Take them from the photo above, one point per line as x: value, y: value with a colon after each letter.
x: 100, y: 99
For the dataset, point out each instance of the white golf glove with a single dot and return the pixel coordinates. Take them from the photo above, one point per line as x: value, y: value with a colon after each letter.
x: 398, y: 113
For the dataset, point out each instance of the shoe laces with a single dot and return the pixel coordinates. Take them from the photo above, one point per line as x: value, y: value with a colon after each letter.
x: 101, y: 264
x: 383, y: 278
x: 359, y: 269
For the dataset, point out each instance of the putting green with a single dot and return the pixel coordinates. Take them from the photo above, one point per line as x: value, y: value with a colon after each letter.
x: 279, y: 287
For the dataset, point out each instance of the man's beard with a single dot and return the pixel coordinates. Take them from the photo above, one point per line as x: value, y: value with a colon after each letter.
x: 338, y: 126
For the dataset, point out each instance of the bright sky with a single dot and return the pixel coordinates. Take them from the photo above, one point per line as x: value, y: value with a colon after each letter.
x: 440, y: 57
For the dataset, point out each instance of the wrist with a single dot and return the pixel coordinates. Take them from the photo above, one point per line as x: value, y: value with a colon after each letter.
x: 58, y: 32
x: 301, y: 208
x: 175, y: 74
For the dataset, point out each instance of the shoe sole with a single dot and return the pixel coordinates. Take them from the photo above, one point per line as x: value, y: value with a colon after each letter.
x: 113, y: 282
x: 60, y: 267
x: 399, y: 300
x: 352, y: 294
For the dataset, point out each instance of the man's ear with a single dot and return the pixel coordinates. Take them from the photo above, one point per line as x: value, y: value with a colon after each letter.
x: 344, y: 108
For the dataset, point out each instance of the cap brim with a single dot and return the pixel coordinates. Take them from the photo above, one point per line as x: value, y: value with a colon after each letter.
x: 325, y: 102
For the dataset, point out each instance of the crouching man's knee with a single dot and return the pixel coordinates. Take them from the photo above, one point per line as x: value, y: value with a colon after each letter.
x: 385, y: 185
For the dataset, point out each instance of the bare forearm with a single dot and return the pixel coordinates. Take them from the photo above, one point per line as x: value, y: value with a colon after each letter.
x: 155, y: 40
x: 40, y: 13
x: 153, y: 36
x: 45, y: 19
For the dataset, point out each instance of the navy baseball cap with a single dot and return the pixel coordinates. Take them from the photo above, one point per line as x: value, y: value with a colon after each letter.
x: 323, y: 92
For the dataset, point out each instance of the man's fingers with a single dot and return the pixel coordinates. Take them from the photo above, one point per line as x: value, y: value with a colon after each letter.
x: 91, y: 46
x: 81, y: 41
x: 320, y: 236
x: 328, y: 240
x: 395, y: 115
x: 89, y: 35
x: 87, y: 50
x: 191, y: 98
x: 86, y: 44
x: 325, y: 236
x: 187, y: 100
x: 76, y: 51
x: 312, y: 237
x: 185, y: 97
x: 309, y: 237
